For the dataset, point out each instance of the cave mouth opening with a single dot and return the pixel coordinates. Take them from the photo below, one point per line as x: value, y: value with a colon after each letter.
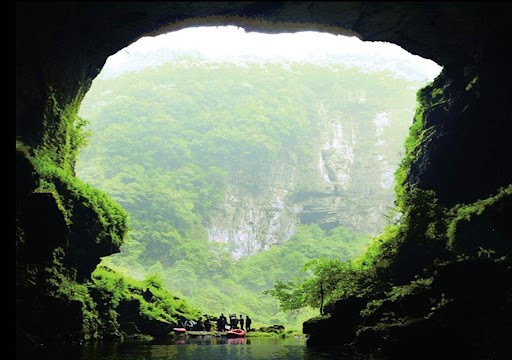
x: 163, y: 166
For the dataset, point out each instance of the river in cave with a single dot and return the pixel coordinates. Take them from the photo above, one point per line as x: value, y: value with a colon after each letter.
x: 203, y: 348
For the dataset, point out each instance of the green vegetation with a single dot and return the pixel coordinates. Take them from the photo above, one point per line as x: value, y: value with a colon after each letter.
x: 54, y: 162
x: 315, y: 291
x: 471, y: 244
x: 63, y: 134
x: 100, y: 297
x: 404, y: 259
x: 72, y: 195
x: 60, y: 283
x: 169, y: 141
x: 238, y: 286
x: 111, y: 288
x: 93, y: 226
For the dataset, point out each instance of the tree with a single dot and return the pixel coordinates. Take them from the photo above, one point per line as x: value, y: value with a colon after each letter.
x: 323, y: 287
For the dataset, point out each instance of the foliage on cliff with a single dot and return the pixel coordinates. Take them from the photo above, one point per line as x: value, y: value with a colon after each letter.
x: 79, y: 203
x: 101, y: 303
x: 63, y: 228
x: 154, y: 305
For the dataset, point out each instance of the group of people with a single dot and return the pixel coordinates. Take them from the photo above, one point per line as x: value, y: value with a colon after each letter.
x: 234, y: 322
x: 197, y: 325
x: 222, y: 323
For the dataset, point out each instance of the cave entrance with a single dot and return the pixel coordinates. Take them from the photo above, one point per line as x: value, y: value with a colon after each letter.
x: 233, y: 151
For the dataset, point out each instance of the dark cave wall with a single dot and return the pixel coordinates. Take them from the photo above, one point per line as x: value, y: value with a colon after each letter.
x: 61, y: 47
x: 64, y: 45
x: 466, y: 155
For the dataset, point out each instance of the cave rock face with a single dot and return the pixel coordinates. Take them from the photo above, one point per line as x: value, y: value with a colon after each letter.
x: 61, y: 47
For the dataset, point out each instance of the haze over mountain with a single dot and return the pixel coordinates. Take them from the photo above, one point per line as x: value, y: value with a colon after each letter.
x: 237, y: 170
x: 232, y: 44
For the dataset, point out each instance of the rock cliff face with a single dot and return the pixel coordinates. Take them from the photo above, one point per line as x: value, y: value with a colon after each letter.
x: 60, y: 48
x: 351, y: 182
x: 427, y: 302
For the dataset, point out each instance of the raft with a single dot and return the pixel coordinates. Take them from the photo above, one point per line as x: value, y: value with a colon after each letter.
x: 235, y: 333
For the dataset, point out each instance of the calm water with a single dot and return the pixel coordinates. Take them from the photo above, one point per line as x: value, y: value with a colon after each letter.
x: 193, y: 349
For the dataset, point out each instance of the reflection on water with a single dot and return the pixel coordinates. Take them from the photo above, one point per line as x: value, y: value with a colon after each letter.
x: 207, y: 348
x: 210, y: 340
x: 238, y: 341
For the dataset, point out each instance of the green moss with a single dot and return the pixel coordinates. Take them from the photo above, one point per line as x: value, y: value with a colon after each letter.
x: 465, y: 213
x: 371, y: 307
x: 371, y: 257
x: 413, y: 148
x: 397, y: 293
x: 430, y: 96
x: 100, y: 297
x: 63, y: 133
x: 72, y: 194
x: 416, y: 241
x: 96, y: 224
x: 54, y: 160
x: 60, y: 283
x: 112, y: 287
x: 414, y: 287
x: 434, y: 93
x: 22, y: 148
x: 472, y: 83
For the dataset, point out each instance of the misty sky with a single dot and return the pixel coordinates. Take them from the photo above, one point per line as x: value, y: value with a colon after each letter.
x: 230, y: 43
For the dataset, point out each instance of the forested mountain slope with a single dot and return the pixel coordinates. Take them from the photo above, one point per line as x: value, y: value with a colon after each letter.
x: 215, y: 161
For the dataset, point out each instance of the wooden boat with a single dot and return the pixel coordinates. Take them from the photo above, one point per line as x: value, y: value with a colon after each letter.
x: 235, y: 333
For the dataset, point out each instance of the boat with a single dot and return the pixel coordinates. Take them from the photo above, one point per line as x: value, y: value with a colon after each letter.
x: 235, y: 333
x: 181, y: 330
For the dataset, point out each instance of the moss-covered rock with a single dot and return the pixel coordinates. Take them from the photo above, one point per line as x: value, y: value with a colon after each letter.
x: 340, y: 327
x: 131, y: 319
x: 460, y: 312
x: 483, y: 227
x: 63, y: 229
x: 442, y: 276
x: 96, y: 224
x: 276, y: 329
x: 43, y: 220
x: 127, y: 307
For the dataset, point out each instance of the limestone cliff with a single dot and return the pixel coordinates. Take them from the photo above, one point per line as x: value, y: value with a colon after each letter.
x: 347, y: 181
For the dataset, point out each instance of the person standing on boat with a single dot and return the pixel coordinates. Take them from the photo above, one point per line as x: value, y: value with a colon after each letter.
x: 241, y: 321
x: 248, y: 322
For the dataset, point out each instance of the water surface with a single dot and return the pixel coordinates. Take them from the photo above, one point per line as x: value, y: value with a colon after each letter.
x: 207, y: 348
